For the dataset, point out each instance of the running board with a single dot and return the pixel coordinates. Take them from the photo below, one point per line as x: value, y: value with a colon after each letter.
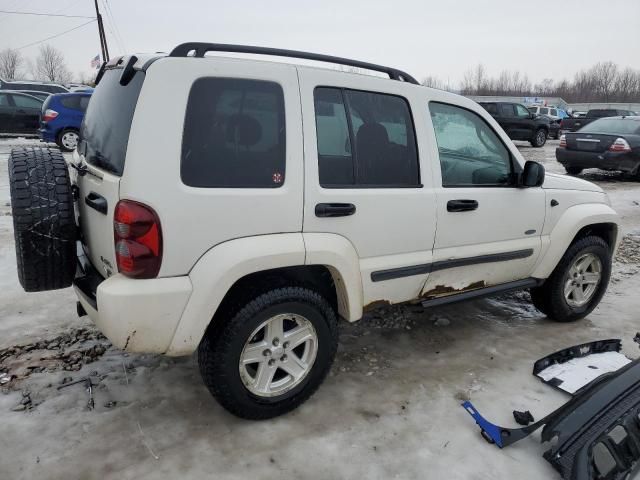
x: 484, y: 292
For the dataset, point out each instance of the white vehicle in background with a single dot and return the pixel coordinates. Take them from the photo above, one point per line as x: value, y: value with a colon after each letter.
x: 551, y: 112
x: 244, y: 213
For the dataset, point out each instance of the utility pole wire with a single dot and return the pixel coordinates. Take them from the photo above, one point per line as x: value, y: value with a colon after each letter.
x: 57, y: 35
x: 44, y: 14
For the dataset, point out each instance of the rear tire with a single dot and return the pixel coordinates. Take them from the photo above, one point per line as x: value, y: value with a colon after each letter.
x: 234, y: 380
x: 539, y: 139
x: 43, y: 218
x: 574, y: 170
x: 68, y: 140
x: 551, y: 298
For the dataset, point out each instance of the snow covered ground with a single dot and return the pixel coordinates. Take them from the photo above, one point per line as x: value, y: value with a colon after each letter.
x: 389, y: 409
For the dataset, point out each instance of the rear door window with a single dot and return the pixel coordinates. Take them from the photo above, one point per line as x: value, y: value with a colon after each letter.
x: 23, y: 101
x: 107, y: 122
x: 491, y: 108
x: 234, y: 134
x: 365, y: 139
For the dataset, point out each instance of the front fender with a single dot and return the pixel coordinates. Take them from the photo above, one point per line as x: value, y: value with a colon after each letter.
x: 566, y: 228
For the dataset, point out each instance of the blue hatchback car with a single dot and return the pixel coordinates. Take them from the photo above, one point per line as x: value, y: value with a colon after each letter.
x: 62, y: 115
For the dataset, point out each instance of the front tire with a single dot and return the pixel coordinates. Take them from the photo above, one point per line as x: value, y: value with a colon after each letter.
x: 539, y: 139
x: 578, y: 282
x: 574, y: 170
x: 272, y: 355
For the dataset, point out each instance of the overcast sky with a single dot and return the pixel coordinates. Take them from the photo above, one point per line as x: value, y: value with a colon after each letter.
x: 545, y: 39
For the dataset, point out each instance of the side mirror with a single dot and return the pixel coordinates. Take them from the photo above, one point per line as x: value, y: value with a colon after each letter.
x: 532, y: 116
x: 532, y: 175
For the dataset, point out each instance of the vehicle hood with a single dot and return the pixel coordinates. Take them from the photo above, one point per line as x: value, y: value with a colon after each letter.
x: 564, y: 182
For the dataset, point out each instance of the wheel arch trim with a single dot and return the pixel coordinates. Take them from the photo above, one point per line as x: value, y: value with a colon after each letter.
x: 572, y: 221
x: 222, y: 266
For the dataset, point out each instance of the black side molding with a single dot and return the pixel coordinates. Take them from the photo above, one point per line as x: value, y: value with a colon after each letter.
x: 421, y: 269
x: 392, y: 273
x: 494, y: 257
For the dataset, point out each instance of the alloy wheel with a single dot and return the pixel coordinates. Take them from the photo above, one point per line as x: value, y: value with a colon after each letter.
x: 278, y: 355
x: 582, y: 280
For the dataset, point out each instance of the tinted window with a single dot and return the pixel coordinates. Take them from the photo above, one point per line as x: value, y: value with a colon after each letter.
x: 544, y: 111
x: 75, y: 102
x: 234, y: 134
x: 26, y: 102
x: 533, y: 109
x: 470, y: 151
x: 507, y: 110
x: 335, y: 161
x: 616, y: 126
x: 84, y: 103
x: 4, y: 100
x: 553, y: 112
x: 492, y: 108
x: 365, y: 139
x: 106, y: 125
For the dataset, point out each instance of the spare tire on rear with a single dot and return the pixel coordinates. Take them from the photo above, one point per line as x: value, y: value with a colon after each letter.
x: 43, y: 218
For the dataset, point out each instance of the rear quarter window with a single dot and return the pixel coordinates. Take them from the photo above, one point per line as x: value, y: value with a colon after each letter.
x: 77, y: 102
x: 234, y: 134
x: 107, y: 122
x: 71, y: 102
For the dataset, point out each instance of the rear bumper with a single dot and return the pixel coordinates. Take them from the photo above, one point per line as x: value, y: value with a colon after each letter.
x: 46, y: 134
x: 625, y: 162
x: 135, y: 315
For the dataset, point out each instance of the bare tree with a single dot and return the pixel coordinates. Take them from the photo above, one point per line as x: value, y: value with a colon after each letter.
x: 433, y: 82
x: 11, y: 63
x: 604, y: 82
x: 85, y: 79
x: 604, y: 75
x: 50, y: 65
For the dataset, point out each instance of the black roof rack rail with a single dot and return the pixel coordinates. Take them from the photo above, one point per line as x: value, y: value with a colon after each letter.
x: 200, y: 49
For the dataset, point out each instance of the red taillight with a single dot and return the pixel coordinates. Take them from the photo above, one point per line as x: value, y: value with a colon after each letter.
x: 563, y: 141
x: 138, y: 239
x: 620, y: 145
x: 49, y: 115
x: 561, y: 123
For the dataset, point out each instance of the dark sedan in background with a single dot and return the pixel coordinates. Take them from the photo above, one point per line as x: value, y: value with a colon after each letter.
x: 608, y: 143
x: 19, y: 113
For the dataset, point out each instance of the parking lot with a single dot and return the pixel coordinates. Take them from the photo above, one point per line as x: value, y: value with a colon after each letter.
x: 389, y: 409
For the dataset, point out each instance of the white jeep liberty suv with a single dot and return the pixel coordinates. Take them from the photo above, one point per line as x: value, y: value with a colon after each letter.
x: 239, y: 207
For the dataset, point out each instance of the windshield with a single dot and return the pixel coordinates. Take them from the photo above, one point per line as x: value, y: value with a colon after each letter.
x: 617, y: 126
x: 106, y: 124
